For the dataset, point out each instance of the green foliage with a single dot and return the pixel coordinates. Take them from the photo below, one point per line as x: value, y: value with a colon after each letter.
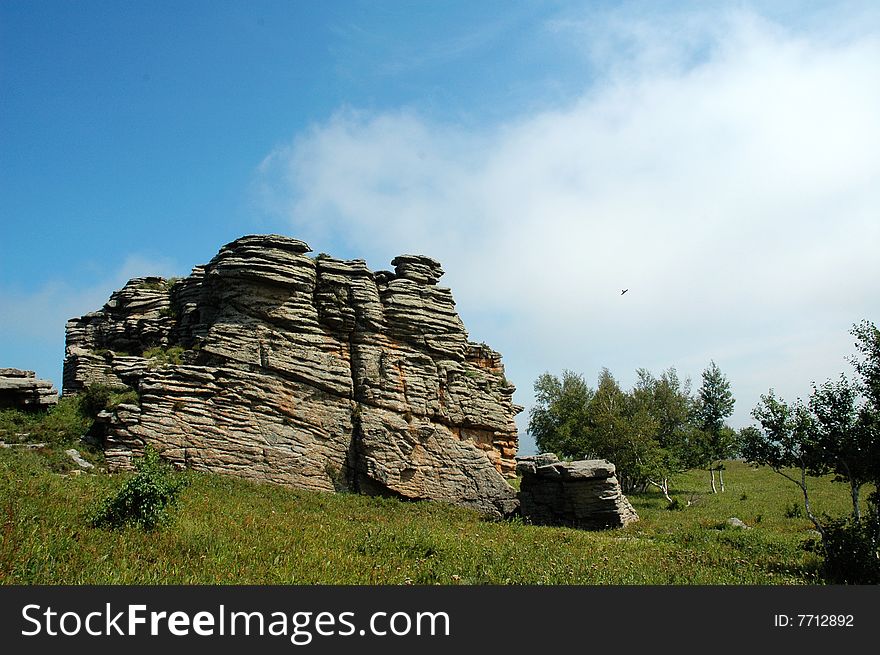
x: 159, y: 356
x: 675, y: 506
x: 716, y: 399
x: 842, y: 440
x: 715, y: 404
x: 867, y: 361
x: 648, y: 432
x: 14, y: 422
x: 559, y: 419
x: 836, y: 431
x: 62, y: 424
x: 160, y: 285
x: 851, y: 550
x: 109, y: 354
x: 144, y: 498
x: 231, y: 531
x: 96, y: 398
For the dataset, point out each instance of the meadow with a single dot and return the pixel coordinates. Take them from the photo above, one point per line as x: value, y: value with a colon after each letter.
x: 231, y: 531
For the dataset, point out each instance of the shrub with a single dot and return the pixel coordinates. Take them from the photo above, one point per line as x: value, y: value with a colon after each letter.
x: 130, y: 397
x: 96, y: 397
x: 163, y: 356
x: 154, y: 286
x: 851, y: 550
x: 675, y: 505
x: 14, y: 421
x: 61, y: 425
x: 65, y: 423
x: 144, y: 499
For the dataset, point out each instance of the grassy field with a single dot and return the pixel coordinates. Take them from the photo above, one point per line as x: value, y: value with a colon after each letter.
x: 228, y: 531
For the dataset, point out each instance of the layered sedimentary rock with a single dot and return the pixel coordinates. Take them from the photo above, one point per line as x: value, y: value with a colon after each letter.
x: 313, y: 372
x: 581, y: 494
x: 23, y: 390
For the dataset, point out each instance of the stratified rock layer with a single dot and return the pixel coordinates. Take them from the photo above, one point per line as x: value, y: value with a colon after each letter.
x: 22, y: 390
x: 312, y: 372
x: 581, y: 494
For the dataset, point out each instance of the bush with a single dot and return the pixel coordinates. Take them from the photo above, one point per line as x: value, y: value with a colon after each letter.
x: 62, y: 424
x: 852, y: 550
x: 159, y: 356
x: 144, y: 499
x: 14, y: 422
x: 96, y: 397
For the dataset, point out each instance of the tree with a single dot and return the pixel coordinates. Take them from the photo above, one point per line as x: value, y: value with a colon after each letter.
x: 867, y: 366
x: 867, y: 362
x: 842, y: 441
x: 607, y: 420
x: 558, y: 421
x: 646, y: 432
x: 669, y: 405
x: 573, y: 420
x: 836, y: 431
x: 715, y: 405
x: 785, y: 441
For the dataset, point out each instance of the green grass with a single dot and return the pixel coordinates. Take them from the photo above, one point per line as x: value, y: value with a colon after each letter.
x: 63, y: 424
x: 228, y: 531
x: 160, y: 356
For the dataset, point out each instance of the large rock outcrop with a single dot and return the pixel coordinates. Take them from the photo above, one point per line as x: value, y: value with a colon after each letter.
x: 580, y: 494
x: 23, y: 390
x: 313, y: 372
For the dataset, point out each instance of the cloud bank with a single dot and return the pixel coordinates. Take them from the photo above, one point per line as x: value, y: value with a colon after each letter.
x: 730, y: 179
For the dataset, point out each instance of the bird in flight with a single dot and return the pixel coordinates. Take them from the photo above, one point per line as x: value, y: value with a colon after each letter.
x: 624, y: 291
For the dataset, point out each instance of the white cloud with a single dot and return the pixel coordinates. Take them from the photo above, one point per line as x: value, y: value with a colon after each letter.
x: 730, y: 179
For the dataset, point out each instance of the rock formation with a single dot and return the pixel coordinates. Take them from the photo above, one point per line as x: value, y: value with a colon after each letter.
x: 313, y: 372
x: 22, y: 390
x: 581, y: 494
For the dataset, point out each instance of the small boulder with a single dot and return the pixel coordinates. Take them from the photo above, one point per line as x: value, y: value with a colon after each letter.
x: 73, y: 453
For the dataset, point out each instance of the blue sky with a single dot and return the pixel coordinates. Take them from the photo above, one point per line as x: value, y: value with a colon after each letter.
x: 721, y: 160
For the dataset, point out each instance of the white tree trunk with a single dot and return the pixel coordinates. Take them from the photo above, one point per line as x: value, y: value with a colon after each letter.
x: 721, y: 478
x: 712, y: 473
x: 663, y: 486
x: 857, y: 510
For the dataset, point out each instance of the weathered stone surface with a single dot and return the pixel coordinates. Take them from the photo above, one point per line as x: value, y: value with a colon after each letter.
x: 581, y: 494
x: 22, y: 390
x: 311, y: 372
x: 73, y: 454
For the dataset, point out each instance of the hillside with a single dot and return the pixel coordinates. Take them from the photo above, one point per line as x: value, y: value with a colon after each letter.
x: 232, y: 531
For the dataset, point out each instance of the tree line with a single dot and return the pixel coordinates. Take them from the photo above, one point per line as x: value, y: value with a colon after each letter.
x: 658, y: 428
x: 661, y: 427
